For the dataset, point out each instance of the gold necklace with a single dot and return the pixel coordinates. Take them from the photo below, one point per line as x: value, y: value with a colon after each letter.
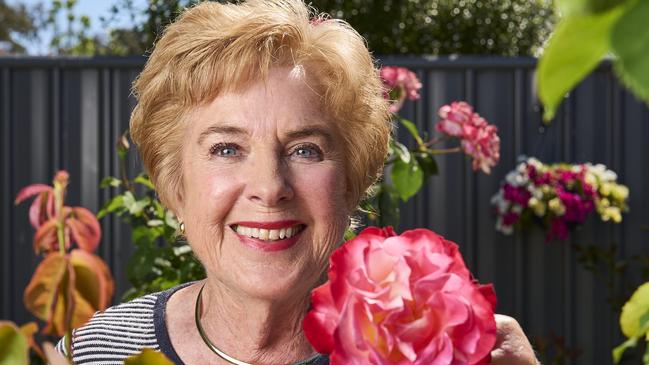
x: 223, y: 355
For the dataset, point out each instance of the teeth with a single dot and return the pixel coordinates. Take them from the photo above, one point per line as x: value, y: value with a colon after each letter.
x: 267, y: 234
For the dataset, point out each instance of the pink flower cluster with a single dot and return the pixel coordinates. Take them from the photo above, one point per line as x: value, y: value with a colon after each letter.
x: 558, y: 196
x: 407, y: 299
x: 402, y: 84
x: 479, y: 139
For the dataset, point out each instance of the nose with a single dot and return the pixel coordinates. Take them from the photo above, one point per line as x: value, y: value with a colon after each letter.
x: 268, y: 182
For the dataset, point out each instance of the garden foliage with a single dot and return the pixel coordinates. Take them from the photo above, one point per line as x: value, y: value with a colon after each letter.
x: 588, y: 31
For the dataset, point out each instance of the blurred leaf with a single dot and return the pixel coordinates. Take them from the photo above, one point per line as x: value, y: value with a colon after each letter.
x: 569, y: 7
x: 182, y: 250
x: 84, y: 228
x: 388, y: 204
x: 630, y: 42
x: 14, y: 349
x: 144, y: 180
x: 618, y: 351
x: 114, y: 204
x: 171, y: 220
x: 155, y: 223
x: 349, y: 234
x: 412, y: 128
x: 576, y: 47
x: 635, y: 310
x: 400, y: 151
x: 110, y: 181
x: 66, y: 290
x: 407, y: 178
x: 93, y: 281
x: 427, y: 163
x: 134, y: 207
x: 148, y: 357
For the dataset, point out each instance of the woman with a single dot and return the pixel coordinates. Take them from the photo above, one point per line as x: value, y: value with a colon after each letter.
x: 262, y: 130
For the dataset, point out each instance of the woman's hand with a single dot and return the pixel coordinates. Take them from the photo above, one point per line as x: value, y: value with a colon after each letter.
x: 512, y: 346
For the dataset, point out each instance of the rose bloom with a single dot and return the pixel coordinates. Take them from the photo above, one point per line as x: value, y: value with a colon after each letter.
x: 407, y: 299
x: 402, y: 84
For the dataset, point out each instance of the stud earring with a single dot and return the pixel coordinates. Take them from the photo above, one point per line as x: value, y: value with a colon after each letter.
x: 182, y: 228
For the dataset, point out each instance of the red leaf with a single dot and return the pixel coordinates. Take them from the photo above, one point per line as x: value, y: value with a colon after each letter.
x: 85, y: 229
x: 40, y: 211
x: 45, y: 238
x: 31, y: 190
x: 94, y: 282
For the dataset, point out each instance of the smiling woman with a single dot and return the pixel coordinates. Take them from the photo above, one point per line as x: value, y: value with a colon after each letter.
x: 262, y: 126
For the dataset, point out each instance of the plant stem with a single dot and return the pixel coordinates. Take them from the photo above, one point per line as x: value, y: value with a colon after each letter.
x: 435, y: 141
x: 443, y: 151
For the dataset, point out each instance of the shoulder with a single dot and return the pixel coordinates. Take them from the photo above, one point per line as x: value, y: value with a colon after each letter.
x: 116, y: 333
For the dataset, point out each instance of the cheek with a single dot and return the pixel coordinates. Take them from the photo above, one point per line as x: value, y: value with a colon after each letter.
x: 324, y: 191
x: 208, y: 198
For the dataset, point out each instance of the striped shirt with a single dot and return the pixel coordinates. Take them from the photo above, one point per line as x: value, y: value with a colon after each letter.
x: 126, y: 329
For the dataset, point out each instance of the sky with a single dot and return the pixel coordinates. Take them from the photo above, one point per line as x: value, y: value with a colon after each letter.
x: 92, y: 8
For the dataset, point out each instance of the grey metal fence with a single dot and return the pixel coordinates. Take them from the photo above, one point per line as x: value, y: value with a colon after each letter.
x: 67, y: 113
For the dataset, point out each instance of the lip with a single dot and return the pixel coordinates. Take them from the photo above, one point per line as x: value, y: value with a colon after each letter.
x: 269, y: 225
x: 279, y: 245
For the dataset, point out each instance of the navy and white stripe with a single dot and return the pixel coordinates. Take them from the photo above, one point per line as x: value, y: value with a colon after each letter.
x: 125, y: 330
x: 116, y: 333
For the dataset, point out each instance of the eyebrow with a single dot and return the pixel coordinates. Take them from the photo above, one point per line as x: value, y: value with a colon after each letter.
x: 308, y: 131
x: 221, y: 129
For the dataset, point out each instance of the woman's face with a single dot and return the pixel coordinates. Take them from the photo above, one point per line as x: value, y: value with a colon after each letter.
x: 264, y: 200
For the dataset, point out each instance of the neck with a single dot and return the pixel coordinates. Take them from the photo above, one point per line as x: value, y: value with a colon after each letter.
x: 255, y: 330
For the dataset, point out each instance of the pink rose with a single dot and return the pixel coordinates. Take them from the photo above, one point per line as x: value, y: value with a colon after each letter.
x: 401, y: 84
x: 407, y: 299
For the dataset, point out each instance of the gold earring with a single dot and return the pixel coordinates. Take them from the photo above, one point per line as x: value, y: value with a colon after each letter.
x: 182, y: 227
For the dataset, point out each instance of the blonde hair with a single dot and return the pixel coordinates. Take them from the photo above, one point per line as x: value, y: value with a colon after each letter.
x: 213, y: 48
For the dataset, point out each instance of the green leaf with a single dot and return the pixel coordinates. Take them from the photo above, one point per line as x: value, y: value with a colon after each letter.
x: 401, y: 151
x: 148, y: 357
x: 630, y: 42
x: 143, y: 235
x: 171, y: 220
x: 427, y: 163
x: 349, y: 234
x: 114, y: 204
x: 576, y: 47
x: 182, y: 250
x: 570, y: 7
x: 155, y: 223
x: 645, y: 356
x: 618, y: 351
x: 110, y: 181
x: 14, y: 349
x: 144, y: 180
x: 634, y: 311
x: 407, y: 178
x: 412, y: 128
x: 388, y: 206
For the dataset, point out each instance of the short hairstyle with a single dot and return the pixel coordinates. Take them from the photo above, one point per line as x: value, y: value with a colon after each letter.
x: 213, y: 48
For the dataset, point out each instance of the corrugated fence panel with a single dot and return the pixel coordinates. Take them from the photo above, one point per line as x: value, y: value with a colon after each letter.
x: 67, y: 114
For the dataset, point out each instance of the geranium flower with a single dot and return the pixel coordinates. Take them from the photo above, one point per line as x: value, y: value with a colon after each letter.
x: 407, y: 299
x: 402, y: 84
x: 479, y: 139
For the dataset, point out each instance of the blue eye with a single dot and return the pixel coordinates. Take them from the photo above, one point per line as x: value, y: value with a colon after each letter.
x: 224, y: 150
x: 307, y: 151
